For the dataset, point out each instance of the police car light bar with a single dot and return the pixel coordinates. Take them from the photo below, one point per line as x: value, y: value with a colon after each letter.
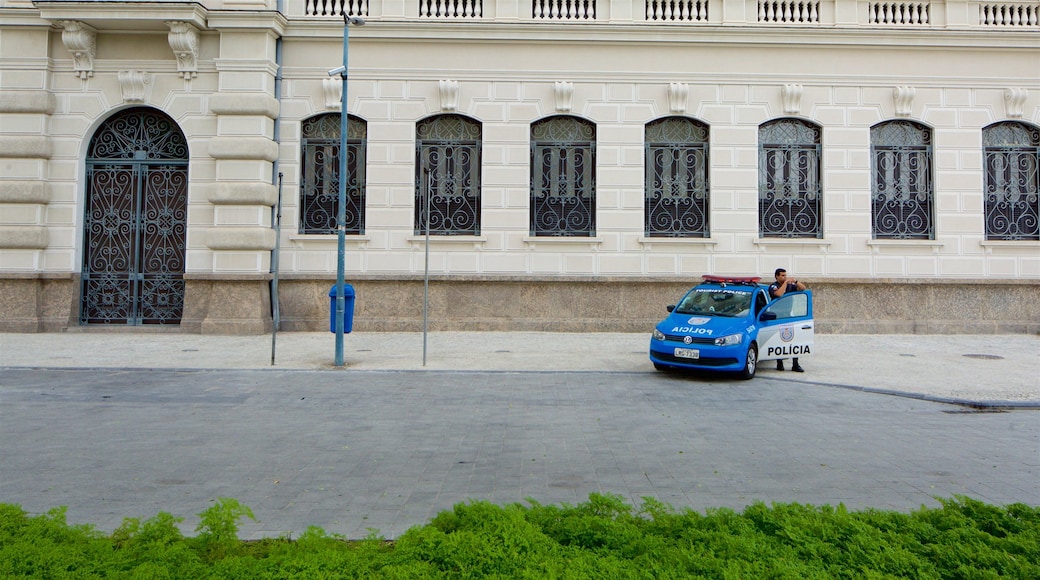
x: 732, y: 279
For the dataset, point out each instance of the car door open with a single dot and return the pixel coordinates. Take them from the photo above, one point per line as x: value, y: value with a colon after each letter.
x: 786, y: 327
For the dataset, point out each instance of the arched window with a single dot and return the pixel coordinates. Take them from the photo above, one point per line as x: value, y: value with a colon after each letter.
x: 447, y: 180
x: 902, y: 200
x: 789, y: 188
x: 319, y: 174
x: 1012, y: 156
x: 676, y: 192
x: 563, y: 177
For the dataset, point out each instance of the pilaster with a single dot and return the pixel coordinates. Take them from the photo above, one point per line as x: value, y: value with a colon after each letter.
x: 243, y: 149
x: 25, y: 152
x: 26, y: 107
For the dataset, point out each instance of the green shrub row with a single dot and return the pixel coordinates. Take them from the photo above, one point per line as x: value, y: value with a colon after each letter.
x: 598, y: 539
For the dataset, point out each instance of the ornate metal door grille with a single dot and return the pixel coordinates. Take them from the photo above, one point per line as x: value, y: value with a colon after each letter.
x: 1012, y: 152
x: 447, y: 149
x: 319, y: 174
x: 901, y: 180
x: 563, y: 177
x: 789, y: 188
x: 135, y: 221
x: 676, y: 196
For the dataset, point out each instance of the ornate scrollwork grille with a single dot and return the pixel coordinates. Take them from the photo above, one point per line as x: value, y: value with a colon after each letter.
x: 789, y: 189
x: 563, y: 177
x: 447, y: 149
x: 319, y: 174
x: 901, y: 181
x: 677, y: 191
x: 135, y: 221
x: 1012, y: 158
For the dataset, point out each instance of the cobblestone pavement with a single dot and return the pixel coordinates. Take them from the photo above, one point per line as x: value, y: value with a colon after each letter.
x: 386, y: 449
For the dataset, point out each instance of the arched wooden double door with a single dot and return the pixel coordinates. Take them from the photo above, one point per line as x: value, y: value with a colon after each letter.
x: 135, y: 221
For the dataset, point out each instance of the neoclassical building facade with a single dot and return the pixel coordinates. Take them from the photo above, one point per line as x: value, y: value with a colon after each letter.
x: 565, y: 165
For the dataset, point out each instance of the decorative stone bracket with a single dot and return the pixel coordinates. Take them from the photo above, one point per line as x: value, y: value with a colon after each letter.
x: 564, y: 92
x: 184, y: 40
x: 1013, y: 100
x: 134, y: 85
x: 333, y: 91
x: 449, y: 91
x: 81, y: 40
x: 791, y: 95
x: 904, y: 100
x: 678, y: 97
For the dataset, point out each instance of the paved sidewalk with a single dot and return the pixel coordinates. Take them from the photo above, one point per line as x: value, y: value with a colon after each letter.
x: 978, y: 369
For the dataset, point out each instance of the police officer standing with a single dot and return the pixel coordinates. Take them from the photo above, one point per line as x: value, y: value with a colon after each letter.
x: 782, y: 286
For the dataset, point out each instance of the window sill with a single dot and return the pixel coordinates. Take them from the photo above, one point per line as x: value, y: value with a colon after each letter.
x: 420, y: 241
x: 876, y: 245
x: 564, y: 240
x: 322, y: 239
x: 792, y: 242
x: 990, y: 245
x: 651, y: 242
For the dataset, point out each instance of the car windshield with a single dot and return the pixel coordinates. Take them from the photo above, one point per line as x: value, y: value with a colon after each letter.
x: 715, y: 302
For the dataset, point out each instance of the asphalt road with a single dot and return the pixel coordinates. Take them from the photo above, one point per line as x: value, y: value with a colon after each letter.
x: 386, y: 450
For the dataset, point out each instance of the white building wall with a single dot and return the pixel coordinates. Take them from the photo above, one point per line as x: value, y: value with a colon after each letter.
x: 844, y: 71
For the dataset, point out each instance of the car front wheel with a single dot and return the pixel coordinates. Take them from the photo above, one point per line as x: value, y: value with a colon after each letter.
x: 750, y: 363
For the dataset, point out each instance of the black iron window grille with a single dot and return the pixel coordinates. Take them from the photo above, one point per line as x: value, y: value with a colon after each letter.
x: 563, y: 177
x: 1012, y: 157
x: 902, y: 199
x: 789, y: 186
x: 676, y: 192
x: 447, y: 179
x: 319, y: 174
x: 135, y: 221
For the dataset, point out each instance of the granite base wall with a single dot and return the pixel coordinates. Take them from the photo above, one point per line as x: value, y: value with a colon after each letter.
x: 243, y: 306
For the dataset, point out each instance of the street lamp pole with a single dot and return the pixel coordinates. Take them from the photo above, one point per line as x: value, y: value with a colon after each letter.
x: 341, y: 214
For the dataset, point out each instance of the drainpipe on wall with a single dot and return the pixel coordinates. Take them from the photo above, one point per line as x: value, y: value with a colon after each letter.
x: 276, y: 177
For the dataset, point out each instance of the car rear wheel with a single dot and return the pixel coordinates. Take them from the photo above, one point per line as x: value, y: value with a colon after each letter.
x: 750, y: 363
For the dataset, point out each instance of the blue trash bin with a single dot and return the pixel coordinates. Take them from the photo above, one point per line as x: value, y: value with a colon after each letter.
x: 348, y: 308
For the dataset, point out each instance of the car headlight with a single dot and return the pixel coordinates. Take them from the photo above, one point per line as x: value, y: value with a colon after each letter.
x: 658, y: 335
x: 729, y: 340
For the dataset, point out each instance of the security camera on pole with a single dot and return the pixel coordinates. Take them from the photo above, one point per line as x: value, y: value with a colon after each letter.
x: 341, y: 214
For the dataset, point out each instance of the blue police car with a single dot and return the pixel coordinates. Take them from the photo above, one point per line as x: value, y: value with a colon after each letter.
x: 728, y: 323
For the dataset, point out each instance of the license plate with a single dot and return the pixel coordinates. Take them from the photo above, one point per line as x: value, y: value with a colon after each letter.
x: 687, y: 353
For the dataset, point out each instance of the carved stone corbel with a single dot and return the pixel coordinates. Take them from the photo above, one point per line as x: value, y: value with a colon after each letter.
x: 449, y: 91
x: 904, y: 100
x: 564, y: 92
x: 678, y: 97
x: 791, y: 95
x: 81, y: 40
x: 134, y: 85
x: 333, y: 90
x: 1014, y: 98
x: 184, y: 40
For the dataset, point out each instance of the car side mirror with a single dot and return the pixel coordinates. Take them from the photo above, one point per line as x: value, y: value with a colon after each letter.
x: 670, y: 307
x: 767, y: 316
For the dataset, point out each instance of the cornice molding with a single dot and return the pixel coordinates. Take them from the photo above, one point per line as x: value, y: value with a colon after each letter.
x: 124, y: 16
